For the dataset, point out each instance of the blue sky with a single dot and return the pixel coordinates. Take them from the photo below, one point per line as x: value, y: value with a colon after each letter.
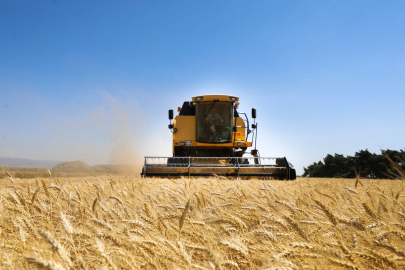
x: 93, y: 80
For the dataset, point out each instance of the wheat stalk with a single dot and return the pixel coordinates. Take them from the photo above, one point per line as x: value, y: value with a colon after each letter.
x: 183, y: 215
x: 45, y: 264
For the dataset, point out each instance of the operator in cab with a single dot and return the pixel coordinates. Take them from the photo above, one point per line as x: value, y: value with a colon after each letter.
x: 214, y: 121
x: 213, y: 118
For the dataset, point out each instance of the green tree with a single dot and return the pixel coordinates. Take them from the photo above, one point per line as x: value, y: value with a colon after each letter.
x: 368, y: 164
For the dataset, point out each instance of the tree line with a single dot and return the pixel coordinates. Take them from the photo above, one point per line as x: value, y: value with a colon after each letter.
x: 368, y: 164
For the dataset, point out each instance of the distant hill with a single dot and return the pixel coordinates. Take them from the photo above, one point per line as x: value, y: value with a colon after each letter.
x: 111, y: 168
x: 74, y: 166
x: 27, y: 163
x: 80, y: 166
x: 27, y: 168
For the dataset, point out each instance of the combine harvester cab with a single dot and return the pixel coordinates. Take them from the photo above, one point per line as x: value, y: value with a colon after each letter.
x: 210, y: 137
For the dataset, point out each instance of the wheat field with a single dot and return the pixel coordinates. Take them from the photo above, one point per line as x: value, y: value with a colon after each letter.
x: 135, y: 223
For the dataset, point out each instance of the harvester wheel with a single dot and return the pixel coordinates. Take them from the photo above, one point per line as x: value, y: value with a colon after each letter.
x: 173, y: 161
x: 245, y: 161
x: 293, y: 175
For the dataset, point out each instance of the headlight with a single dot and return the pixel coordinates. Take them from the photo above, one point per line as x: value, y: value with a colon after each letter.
x: 240, y: 143
x: 199, y: 98
x: 181, y: 143
x: 233, y: 98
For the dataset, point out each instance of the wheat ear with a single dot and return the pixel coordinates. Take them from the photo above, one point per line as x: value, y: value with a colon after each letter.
x: 183, y: 216
x: 45, y: 264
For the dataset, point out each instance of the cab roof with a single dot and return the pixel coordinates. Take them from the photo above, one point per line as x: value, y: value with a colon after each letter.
x: 215, y: 97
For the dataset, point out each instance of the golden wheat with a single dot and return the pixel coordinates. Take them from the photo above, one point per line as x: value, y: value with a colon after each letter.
x: 205, y: 223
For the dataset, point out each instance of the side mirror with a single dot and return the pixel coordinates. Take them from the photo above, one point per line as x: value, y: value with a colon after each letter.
x: 170, y: 114
x: 253, y: 113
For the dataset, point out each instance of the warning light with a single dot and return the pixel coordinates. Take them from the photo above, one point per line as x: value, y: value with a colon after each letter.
x: 179, y: 109
x: 236, y: 105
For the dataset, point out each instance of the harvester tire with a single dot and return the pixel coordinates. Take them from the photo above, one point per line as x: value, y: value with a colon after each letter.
x: 173, y: 161
x: 293, y: 174
x: 245, y: 161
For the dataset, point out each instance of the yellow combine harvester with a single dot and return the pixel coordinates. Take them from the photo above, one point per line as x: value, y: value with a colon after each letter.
x: 210, y: 138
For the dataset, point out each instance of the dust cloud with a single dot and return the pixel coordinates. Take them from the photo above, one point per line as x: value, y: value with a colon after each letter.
x: 119, y: 124
x: 100, y: 128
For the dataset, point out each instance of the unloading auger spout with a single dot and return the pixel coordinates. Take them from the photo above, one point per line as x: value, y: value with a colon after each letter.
x: 210, y: 137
